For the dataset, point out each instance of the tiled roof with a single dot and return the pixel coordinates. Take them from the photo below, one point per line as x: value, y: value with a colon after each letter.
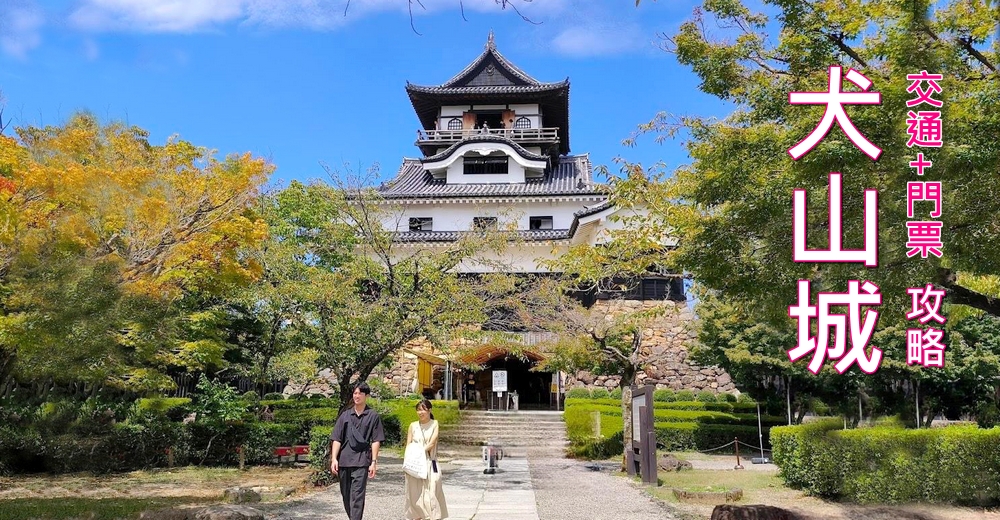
x: 489, y: 89
x: 486, y: 138
x: 490, y: 52
x: 593, y: 209
x: 571, y: 177
x: 451, y: 236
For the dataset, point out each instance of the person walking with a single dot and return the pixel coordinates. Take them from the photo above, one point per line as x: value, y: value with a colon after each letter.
x: 356, y: 439
x: 425, y: 496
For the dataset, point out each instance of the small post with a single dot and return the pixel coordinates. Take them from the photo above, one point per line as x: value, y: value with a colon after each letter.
x: 243, y: 457
x: 170, y: 457
x: 737, y: 441
x: 595, y: 421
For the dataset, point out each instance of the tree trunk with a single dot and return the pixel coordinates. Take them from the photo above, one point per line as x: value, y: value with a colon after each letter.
x: 346, y: 391
x: 625, y: 383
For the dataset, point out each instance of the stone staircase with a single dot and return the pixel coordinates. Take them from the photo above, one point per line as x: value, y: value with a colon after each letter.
x: 517, y: 432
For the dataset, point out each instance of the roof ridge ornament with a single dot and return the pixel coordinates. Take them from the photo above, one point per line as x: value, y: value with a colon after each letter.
x: 490, y: 44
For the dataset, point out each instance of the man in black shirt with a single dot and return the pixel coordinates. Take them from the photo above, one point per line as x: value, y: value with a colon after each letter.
x: 356, y: 439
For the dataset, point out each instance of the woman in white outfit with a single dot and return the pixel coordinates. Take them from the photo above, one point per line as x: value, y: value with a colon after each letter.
x: 425, y: 497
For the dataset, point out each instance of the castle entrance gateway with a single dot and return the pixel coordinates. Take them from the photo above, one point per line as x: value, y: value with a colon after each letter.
x: 508, y: 382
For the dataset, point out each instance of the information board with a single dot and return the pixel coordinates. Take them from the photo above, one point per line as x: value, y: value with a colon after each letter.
x: 499, y: 380
x: 638, y: 401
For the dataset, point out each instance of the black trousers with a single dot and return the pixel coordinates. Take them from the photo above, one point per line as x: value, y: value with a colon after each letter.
x: 353, y: 483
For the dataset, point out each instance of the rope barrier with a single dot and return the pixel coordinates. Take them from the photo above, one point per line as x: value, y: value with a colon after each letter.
x: 718, y: 448
x: 758, y: 448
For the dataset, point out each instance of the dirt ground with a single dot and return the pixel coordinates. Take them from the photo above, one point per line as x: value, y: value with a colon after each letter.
x: 178, y: 482
x: 761, y: 485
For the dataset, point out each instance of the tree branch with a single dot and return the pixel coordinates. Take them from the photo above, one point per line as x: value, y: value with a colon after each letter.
x: 838, y: 40
x: 958, y: 294
x: 966, y: 43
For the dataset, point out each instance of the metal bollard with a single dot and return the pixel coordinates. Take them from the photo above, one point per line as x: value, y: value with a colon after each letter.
x: 491, y: 455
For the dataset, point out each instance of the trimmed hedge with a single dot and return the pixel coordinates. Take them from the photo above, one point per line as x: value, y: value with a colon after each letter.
x: 578, y: 393
x: 678, y: 426
x: 744, y: 408
x: 143, y: 442
x: 954, y: 464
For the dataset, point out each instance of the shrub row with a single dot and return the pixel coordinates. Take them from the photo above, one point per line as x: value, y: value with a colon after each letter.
x: 704, y: 396
x: 955, y: 464
x: 144, y: 444
x: 741, y: 408
x: 129, y: 447
x: 675, y: 429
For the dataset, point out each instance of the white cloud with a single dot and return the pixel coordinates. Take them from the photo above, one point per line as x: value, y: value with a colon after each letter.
x: 194, y: 15
x: 91, y: 50
x: 20, y: 27
x: 154, y: 15
x: 599, y: 39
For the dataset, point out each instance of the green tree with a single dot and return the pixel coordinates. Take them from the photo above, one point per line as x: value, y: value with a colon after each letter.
x: 731, y: 210
x: 112, y: 249
x: 350, y: 296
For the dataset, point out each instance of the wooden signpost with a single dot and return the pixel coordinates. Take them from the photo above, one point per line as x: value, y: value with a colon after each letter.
x: 641, y: 454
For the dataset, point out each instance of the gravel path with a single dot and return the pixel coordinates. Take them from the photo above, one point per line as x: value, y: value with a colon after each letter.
x: 567, y: 489
x: 560, y: 489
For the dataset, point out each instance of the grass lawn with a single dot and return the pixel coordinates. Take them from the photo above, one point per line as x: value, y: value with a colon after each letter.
x: 761, y: 485
x: 88, y: 508
x: 125, y: 495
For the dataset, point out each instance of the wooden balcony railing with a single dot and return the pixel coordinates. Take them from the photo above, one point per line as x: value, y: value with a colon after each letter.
x: 516, y: 134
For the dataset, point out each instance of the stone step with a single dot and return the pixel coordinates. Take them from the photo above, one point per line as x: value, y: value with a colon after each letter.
x: 514, y: 420
x: 556, y: 445
x: 475, y: 438
x: 493, y: 425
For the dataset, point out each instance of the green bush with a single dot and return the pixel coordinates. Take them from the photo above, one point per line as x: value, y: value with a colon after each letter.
x: 20, y: 451
x: 217, y: 401
x: 663, y: 396
x: 274, y: 396
x: 262, y: 438
x: 729, y: 398
x: 319, y: 454
x: 578, y: 393
x: 745, y: 398
x: 55, y: 417
x: 679, y: 426
x: 381, y: 390
x: 685, y: 395
x: 161, y: 405
x: 616, y: 393
x: 706, y: 396
x: 601, y: 393
x: 676, y: 436
x: 955, y: 464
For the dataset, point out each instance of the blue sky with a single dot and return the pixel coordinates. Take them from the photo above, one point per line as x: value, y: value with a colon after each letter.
x: 299, y: 82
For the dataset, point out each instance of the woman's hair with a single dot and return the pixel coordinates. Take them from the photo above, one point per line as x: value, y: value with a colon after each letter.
x: 426, y: 405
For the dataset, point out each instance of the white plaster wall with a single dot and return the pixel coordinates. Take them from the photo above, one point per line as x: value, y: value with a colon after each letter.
x: 521, y: 259
x: 456, y: 173
x: 529, y: 111
x: 458, y: 216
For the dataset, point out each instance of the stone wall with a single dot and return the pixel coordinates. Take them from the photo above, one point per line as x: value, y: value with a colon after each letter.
x: 664, y: 352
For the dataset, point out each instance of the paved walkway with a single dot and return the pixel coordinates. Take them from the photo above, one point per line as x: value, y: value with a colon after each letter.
x: 524, y: 488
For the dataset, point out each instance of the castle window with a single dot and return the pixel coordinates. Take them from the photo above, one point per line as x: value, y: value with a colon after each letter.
x: 421, y: 224
x: 485, y: 165
x: 484, y: 223
x: 655, y: 289
x: 540, y: 223
x: 521, y: 123
x: 455, y: 123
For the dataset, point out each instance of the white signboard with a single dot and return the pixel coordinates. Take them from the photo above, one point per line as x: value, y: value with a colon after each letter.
x: 637, y: 402
x: 499, y: 380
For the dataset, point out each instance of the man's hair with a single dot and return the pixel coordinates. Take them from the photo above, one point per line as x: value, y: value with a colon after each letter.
x: 363, y: 388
